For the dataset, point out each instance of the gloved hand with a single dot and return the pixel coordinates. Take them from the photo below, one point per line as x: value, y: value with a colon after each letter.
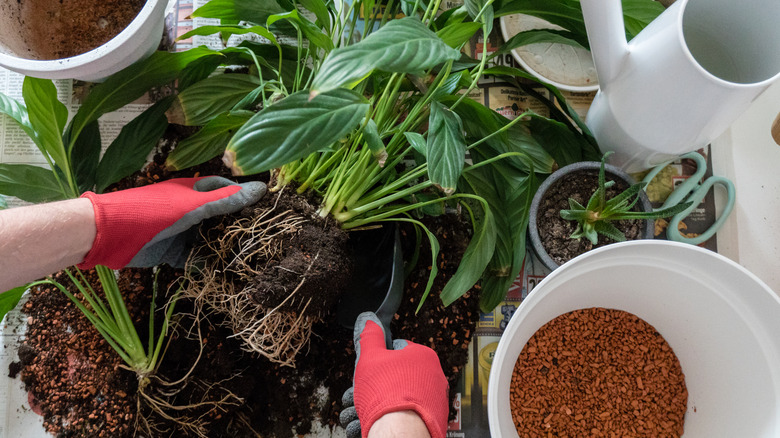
x: 146, y: 226
x: 408, y: 377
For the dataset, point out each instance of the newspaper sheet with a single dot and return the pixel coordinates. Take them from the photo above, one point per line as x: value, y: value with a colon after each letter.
x: 16, y: 417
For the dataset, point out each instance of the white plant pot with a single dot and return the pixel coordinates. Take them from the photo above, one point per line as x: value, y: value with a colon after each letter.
x: 722, y: 322
x: 137, y: 41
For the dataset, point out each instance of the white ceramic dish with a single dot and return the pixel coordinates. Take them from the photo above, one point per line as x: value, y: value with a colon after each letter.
x: 566, y: 67
x: 721, y: 321
x: 136, y: 41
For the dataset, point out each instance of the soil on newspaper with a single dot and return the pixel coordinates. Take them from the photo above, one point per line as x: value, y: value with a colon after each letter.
x: 55, y: 29
x: 554, y: 231
x: 79, y: 385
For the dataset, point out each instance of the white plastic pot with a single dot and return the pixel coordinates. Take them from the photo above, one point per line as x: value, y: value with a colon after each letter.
x: 722, y: 322
x: 137, y: 41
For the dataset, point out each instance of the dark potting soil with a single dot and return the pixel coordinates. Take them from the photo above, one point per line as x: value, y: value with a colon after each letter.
x: 73, y: 377
x: 275, y: 400
x: 555, y: 232
x: 55, y: 29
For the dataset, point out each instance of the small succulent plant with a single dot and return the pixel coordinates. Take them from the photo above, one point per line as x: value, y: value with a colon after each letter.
x: 596, y: 218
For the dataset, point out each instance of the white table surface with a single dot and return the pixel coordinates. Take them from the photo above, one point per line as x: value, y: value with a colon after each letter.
x: 747, y: 155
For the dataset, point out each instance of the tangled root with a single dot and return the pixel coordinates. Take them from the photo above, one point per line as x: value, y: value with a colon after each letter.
x: 219, y: 278
x: 155, y: 395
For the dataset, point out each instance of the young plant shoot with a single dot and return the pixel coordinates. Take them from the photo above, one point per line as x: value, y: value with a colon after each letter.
x: 597, y: 216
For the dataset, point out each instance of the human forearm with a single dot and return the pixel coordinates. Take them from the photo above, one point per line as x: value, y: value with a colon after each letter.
x: 402, y: 424
x: 38, y: 240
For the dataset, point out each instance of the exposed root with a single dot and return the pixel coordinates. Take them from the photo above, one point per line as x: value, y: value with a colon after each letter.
x: 155, y: 393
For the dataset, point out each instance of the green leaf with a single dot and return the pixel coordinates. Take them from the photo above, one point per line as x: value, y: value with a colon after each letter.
x: 563, y: 144
x: 293, y: 128
x: 239, y: 10
x: 209, y: 142
x: 18, y: 112
x: 313, y: 33
x: 29, y: 183
x: 48, y: 117
x: 401, y: 46
x: 85, y: 156
x: 130, y: 149
x: 474, y: 7
x: 132, y: 83
x: 446, y: 148
x: 417, y: 141
x: 198, y: 70
x: 637, y: 14
x: 411, y: 7
x: 10, y: 299
x: 227, y: 31
x: 212, y: 96
x: 564, y: 13
x: 3, y: 203
x: 538, y: 36
x: 374, y: 142
x: 475, y: 260
x: 608, y: 229
x: 320, y: 11
x: 454, y: 35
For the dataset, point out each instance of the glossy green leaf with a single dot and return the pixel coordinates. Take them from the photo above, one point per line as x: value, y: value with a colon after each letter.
x: 293, y: 128
x: 212, y: 96
x: 637, y: 14
x: 18, y: 112
x: 239, y: 10
x: 446, y: 148
x: 209, y: 142
x: 133, y: 82
x: 10, y: 299
x: 412, y: 7
x: 198, y: 70
x: 564, y: 13
x: 130, y: 149
x: 85, y: 156
x: 227, y: 31
x: 48, y: 117
x: 3, y: 203
x: 313, y: 33
x: 454, y: 35
x: 475, y: 259
x: 539, y: 36
x: 480, y: 121
x: 320, y: 10
x: 417, y: 141
x: 374, y: 142
x: 475, y: 7
x: 401, y: 46
x: 563, y: 144
x: 29, y: 183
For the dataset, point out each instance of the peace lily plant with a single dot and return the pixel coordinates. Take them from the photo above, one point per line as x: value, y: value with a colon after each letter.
x: 373, y: 118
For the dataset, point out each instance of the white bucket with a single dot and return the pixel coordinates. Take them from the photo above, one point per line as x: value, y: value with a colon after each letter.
x: 137, y: 41
x: 722, y: 322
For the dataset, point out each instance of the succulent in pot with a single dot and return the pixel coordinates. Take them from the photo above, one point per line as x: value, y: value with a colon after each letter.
x: 586, y: 205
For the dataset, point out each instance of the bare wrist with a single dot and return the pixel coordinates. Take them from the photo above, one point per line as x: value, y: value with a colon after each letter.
x: 401, y: 424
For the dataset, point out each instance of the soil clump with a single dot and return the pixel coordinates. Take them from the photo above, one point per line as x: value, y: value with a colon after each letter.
x: 555, y: 231
x: 56, y: 29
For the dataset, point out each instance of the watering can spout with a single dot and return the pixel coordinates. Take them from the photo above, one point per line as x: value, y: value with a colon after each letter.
x: 607, y: 37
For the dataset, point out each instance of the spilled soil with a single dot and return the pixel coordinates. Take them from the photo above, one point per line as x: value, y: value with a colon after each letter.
x: 263, y: 397
x: 55, y: 29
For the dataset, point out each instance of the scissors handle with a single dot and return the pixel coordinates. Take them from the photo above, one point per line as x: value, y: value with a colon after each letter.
x: 672, y: 233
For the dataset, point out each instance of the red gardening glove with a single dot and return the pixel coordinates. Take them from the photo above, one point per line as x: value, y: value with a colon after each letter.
x: 408, y: 377
x: 146, y: 226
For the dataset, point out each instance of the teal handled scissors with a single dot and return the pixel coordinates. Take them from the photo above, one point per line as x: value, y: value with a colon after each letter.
x: 692, y: 190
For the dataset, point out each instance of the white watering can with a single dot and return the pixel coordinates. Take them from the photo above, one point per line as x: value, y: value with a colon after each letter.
x: 683, y: 80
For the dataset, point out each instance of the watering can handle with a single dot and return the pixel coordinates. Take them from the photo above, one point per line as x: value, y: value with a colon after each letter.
x: 607, y: 37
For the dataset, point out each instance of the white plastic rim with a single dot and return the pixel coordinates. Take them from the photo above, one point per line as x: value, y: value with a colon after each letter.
x: 557, y: 60
x: 137, y: 41
x: 722, y: 322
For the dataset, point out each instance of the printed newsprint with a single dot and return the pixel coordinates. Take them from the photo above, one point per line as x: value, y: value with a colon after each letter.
x: 16, y: 418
